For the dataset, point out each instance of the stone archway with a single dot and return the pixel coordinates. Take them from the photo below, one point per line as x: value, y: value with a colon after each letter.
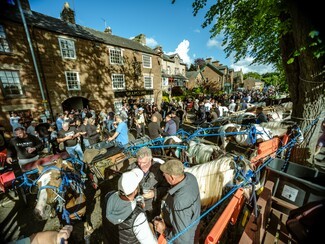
x: 75, y: 103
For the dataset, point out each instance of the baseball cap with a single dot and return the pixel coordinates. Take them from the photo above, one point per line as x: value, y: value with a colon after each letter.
x: 141, y: 109
x: 130, y: 180
x: 172, y: 167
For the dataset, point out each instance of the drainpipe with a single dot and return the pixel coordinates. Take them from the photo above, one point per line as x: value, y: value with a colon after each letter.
x: 33, y: 57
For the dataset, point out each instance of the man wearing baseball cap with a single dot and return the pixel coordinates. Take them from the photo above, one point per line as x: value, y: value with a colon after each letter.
x: 182, y: 205
x: 124, y: 220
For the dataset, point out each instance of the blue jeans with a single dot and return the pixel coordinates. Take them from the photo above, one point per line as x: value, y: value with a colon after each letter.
x: 86, y: 142
x: 75, y: 150
x: 109, y: 124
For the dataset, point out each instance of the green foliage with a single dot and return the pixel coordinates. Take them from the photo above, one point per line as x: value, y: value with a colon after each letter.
x: 165, y: 94
x: 316, y: 47
x: 165, y: 98
x: 198, y: 90
x: 253, y: 75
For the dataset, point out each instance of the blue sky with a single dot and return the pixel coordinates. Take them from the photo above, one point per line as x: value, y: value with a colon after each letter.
x: 171, y: 26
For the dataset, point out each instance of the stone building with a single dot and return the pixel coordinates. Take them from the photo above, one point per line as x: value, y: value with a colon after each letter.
x: 48, y: 65
x: 217, y: 76
x: 173, y: 71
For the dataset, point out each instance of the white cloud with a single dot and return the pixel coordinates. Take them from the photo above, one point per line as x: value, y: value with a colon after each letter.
x: 213, y: 43
x: 245, y: 66
x: 197, y: 30
x: 151, y: 42
x: 183, y: 49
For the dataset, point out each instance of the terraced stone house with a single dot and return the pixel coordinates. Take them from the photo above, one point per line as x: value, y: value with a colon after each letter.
x: 48, y: 65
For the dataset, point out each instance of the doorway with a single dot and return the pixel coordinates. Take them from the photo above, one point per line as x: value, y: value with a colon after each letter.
x: 75, y: 103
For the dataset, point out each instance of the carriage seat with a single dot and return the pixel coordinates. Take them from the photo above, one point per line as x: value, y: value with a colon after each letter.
x: 48, y: 160
x: 139, y: 141
x: 110, y: 152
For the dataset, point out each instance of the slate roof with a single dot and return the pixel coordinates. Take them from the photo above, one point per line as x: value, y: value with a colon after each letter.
x: 74, y: 30
x: 171, y: 58
x: 192, y: 74
x: 215, y: 68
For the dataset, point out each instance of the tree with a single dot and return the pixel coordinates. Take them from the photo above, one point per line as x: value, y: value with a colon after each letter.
x: 254, y: 75
x: 287, y: 34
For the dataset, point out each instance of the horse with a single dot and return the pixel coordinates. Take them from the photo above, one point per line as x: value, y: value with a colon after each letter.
x: 240, y: 117
x: 278, y: 113
x: 214, y: 177
x: 198, y: 152
x: 242, y: 135
x: 60, y: 188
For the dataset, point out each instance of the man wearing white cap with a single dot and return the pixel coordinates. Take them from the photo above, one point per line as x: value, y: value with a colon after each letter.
x: 125, y: 221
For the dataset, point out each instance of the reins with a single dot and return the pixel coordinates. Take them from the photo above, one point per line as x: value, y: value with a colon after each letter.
x: 69, y: 179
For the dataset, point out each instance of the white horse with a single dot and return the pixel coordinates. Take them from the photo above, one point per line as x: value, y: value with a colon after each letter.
x: 198, y: 152
x: 193, y: 152
x: 239, y: 117
x: 241, y: 135
x: 278, y: 113
x: 213, y: 177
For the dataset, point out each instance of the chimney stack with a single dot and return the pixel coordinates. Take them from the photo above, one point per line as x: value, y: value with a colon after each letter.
x: 158, y: 50
x: 216, y: 63
x: 108, y: 30
x: 140, y: 38
x: 208, y: 60
x: 67, y: 14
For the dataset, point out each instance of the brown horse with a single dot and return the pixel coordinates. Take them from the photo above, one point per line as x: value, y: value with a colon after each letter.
x: 60, y: 188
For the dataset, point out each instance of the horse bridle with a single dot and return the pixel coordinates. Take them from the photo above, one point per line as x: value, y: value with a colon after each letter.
x: 60, y: 191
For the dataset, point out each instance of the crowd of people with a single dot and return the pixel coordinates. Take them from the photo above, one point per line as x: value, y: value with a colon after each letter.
x: 153, y: 198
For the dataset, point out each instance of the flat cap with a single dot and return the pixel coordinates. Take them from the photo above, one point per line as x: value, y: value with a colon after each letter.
x: 172, y: 167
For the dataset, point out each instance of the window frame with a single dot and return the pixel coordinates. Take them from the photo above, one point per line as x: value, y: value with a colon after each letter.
x: 144, y: 81
x: 78, y: 88
x: 144, y: 61
x: 123, y: 84
x: 114, y: 57
x: 20, y: 88
x: 4, y: 39
x: 61, y: 48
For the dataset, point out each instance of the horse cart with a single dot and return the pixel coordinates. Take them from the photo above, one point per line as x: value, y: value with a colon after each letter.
x: 23, y: 180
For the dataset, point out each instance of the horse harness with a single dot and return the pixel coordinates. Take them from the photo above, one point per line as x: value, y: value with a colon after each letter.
x: 68, y: 180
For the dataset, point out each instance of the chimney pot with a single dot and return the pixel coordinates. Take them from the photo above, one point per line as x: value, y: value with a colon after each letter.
x: 67, y: 14
x: 141, y: 39
x: 108, y: 30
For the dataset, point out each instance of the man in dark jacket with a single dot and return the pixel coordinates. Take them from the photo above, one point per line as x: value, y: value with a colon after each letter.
x: 43, y: 133
x: 182, y: 205
x: 25, y: 147
x: 153, y: 186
